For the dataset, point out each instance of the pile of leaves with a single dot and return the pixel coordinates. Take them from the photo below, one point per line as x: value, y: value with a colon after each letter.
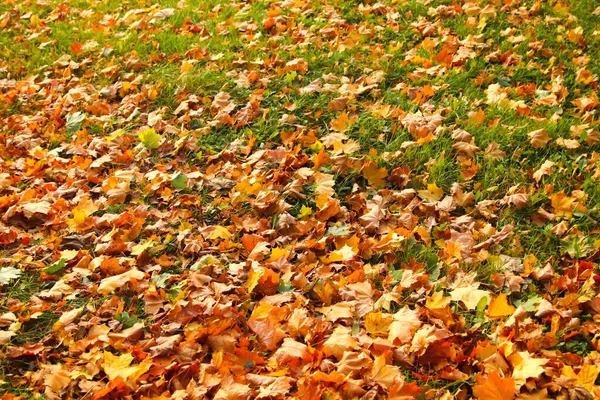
x: 270, y: 199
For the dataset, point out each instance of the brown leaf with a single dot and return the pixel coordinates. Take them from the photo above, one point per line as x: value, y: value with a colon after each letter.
x: 538, y: 138
x: 338, y: 104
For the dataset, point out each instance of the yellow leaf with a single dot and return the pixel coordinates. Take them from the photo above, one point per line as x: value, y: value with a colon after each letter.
x: 68, y: 255
x: 376, y: 176
x: 476, y: 118
x: 322, y: 200
x: 377, y: 324
x: 345, y: 253
x: 586, y: 377
x: 469, y: 295
x: 115, y: 366
x: 563, y: 205
x: 110, y: 284
x: 437, y: 301
x: 140, y: 248
x: 56, y: 377
x: 66, y: 318
x: 439, y: 307
x: 304, y: 212
x: 433, y: 193
x: 185, y: 66
x: 525, y: 366
x: 219, y: 232
x: 149, y: 138
x: 79, y: 217
x: 253, y: 277
x: 339, y: 342
x: 277, y: 253
x: 499, y: 307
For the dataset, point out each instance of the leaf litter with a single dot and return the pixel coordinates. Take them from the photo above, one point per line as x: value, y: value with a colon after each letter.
x: 293, y: 199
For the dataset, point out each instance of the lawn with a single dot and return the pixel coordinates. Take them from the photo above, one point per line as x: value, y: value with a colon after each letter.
x: 272, y: 199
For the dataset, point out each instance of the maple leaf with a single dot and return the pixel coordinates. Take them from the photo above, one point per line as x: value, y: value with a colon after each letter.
x: 439, y: 306
x: 496, y: 95
x: 339, y: 342
x: 345, y: 253
x: 525, y: 366
x: 476, y: 118
x: 354, y: 362
x: 563, y: 205
x: 56, y: 377
x: 264, y: 321
x: 231, y: 390
x: 470, y: 296
x: 494, y: 387
x: 372, y: 219
x: 376, y: 176
x: 292, y: 351
x: 149, y: 138
x: 545, y: 169
x: 376, y: 323
x: 277, y: 389
x: 341, y: 310
x: 433, y: 193
x: 338, y: 104
x: 120, y: 366
x: 567, y: 143
x: 342, y: 123
x: 538, y: 138
x: 586, y: 377
x: 67, y: 318
x: 33, y: 208
x: 383, y: 374
x: 9, y: 273
x: 405, y: 323
x: 110, y: 284
x: 466, y: 148
x: 499, y: 307
x: 586, y: 103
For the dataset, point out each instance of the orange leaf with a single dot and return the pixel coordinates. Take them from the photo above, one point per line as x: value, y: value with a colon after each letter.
x: 476, y: 118
x: 342, y: 123
x: 494, y: 387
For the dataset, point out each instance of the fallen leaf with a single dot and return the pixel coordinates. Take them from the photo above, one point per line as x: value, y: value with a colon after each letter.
x: 120, y: 366
x: 525, y: 367
x: 538, y: 138
x: 499, y: 307
x: 494, y: 387
x: 110, y: 284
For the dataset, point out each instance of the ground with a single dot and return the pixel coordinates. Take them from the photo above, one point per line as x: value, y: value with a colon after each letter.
x: 306, y: 199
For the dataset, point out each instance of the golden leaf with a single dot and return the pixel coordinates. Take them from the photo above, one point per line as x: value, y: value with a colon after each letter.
x: 525, y: 366
x: 586, y: 377
x: 433, y: 193
x: 499, y: 307
x: 376, y: 323
x: 115, y: 366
